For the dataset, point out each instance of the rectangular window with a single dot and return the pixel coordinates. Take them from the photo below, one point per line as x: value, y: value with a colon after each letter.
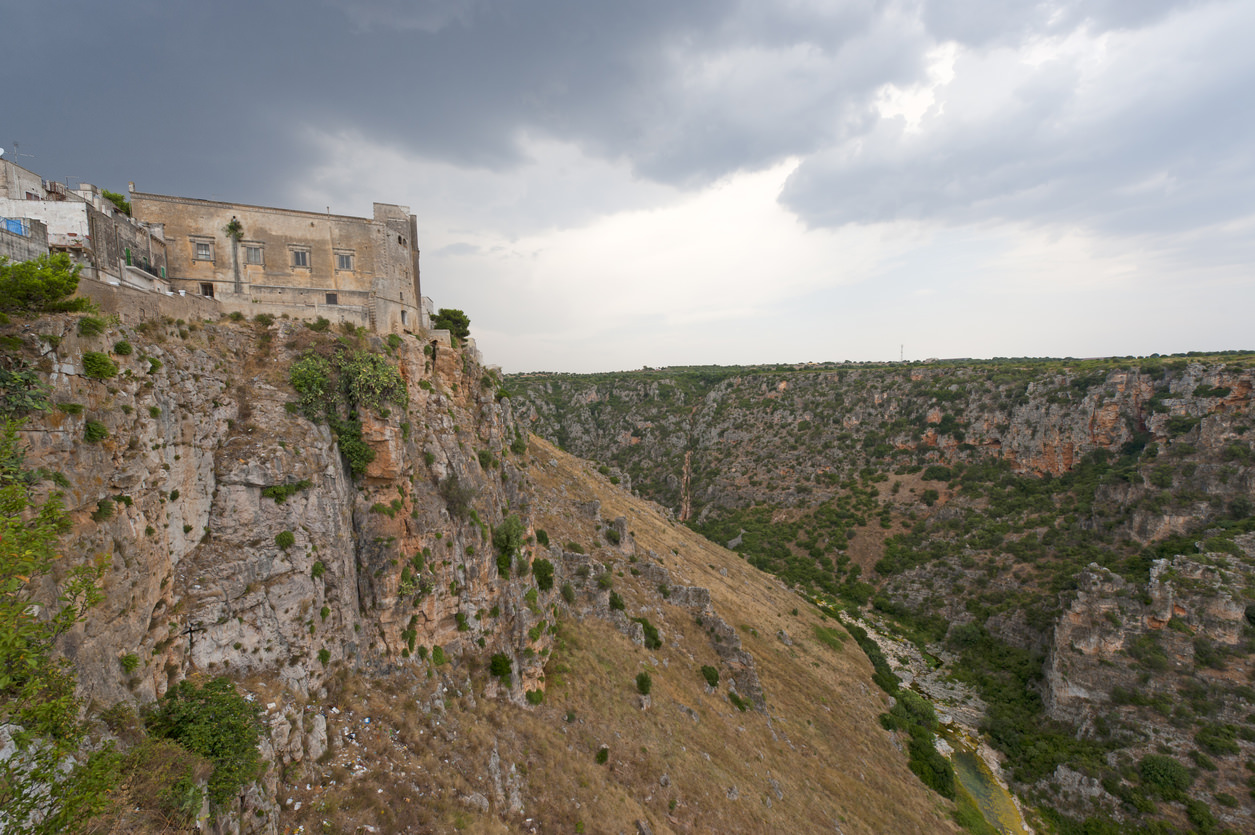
x: 300, y: 258
x: 252, y: 255
x: 333, y: 298
x: 207, y: 289
x: 204, y: 251
x: 344, y: 261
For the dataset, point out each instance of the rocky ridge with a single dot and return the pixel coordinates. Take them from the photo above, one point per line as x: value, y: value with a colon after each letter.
x: 365, y: 634
x: 1075, y: 532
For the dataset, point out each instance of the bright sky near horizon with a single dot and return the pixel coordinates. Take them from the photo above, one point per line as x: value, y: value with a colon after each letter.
x: 607, y: 186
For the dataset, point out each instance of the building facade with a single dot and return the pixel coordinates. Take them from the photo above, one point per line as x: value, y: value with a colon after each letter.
x: 255, y: 259
x: 110, y: 246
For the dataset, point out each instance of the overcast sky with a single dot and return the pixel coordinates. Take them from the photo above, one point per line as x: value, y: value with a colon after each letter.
x: 603, y: 186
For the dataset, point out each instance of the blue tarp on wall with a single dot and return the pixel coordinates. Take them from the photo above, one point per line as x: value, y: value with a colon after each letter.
x: 17, y: 227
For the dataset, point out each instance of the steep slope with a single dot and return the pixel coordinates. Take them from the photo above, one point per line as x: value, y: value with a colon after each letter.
x: 1023, y: 521
x: 360, y: 555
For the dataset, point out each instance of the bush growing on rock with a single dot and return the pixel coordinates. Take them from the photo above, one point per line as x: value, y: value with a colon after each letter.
x: 507, y: 538
x: 711, y: 675
x: 98, y: 366
x: 452, y: 320
x: 501, y: 667
x: 644, y: 683
x: 653, y: 640
x: 94, y: 431
x: 457, y: 496
x: 218, y: 723
x: 1164, y: 776
x: 543, y: 569
x: 286, y: 539
x: 91, y: 326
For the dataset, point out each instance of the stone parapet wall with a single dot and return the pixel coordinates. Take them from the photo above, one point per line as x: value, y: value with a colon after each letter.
x: 133, y: 306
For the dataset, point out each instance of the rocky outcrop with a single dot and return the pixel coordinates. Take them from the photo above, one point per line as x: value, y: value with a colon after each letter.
x: 1116, y: 640
x: 740, y: 437
x: 239, y: 541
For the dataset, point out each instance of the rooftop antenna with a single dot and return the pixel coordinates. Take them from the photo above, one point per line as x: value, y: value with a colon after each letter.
x: 901, y: 352
x: 17, y: 151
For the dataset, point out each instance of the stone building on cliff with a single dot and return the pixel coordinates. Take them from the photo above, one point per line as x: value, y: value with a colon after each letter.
x: 259, y: 259
x: 48, y: 216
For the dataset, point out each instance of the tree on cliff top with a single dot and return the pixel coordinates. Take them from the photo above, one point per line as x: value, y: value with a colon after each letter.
x: 42, y: 285
x: 454, y: 321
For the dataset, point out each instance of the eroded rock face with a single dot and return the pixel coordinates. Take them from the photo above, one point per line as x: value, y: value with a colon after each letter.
x: 1116, y: 639
x: 749, y: 438
x: 201, y: 422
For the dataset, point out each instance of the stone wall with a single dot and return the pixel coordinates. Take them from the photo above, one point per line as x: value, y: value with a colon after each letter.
x: 301, y: 263
x: 133, y: 306
x: 16, y: 182
x: 24, y: 247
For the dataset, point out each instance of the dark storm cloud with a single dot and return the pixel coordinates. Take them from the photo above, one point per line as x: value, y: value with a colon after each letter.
x: 980, y: 23
x: 1157, y: 142
x: 210, y: 96
x: 218, y: 99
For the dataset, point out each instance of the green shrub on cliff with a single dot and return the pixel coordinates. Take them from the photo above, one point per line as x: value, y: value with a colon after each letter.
x: 543, y: 569
x: 218, y: 723
x: 41, y: 285
x: 98, y: 366
x: 452, y: 320
x: 311, y: 377
x: 507, y: 537
x: 1165, y: 776
x: 370, y: 381
x: 36, y: 691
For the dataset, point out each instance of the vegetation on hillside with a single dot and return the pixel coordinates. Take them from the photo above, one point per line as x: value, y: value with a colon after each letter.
x: 880, y: 487
x: 336, y: 383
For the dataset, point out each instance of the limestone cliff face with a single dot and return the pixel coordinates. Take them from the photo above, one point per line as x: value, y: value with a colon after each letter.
x: 1048, y: 466
x: 200, y: 422
x: 731, y: 438
x: 1117, y: 643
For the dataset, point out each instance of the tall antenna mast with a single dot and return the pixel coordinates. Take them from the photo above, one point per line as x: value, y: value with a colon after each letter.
x: 901, y: 351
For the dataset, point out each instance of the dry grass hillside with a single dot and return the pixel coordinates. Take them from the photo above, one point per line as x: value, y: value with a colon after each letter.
x: 438, y: 756
x: 814, y: 760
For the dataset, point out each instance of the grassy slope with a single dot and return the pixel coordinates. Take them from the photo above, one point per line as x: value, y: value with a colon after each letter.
x: 819, y: 738
x: 416, y: 763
